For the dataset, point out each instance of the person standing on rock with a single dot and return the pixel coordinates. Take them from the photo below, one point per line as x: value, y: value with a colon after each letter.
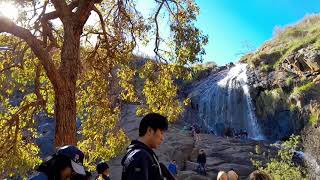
x: 140, y: 162
x: 173, y: 168
x: 103, y: 171
x: 202, y: 160
x: 195, y: 132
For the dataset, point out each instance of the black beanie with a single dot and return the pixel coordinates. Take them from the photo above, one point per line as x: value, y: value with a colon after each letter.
x: 101, y: 167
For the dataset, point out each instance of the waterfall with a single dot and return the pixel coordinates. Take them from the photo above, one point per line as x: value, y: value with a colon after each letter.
x: 223, y: 101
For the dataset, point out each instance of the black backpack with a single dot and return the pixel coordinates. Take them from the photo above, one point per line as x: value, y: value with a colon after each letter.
x: 154, y: 162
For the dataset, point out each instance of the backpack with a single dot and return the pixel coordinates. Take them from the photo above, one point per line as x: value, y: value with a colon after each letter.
x: 155, y: 162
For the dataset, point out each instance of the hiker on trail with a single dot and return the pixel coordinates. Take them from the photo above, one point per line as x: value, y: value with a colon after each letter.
x: 166, y: 173
x: 64, y: 164
x: 173, y: 167
x: 222, y: 175
x: 201, y: 160
x: 259, y: 175
x: 103, y: 171
x: 195, y: 132
x: 243, y: 134
x: 140, y: 162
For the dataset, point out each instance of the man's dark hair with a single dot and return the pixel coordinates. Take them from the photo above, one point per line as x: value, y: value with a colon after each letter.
x: 101, y: 167
x: 154, y: 121
x: 53, y: 167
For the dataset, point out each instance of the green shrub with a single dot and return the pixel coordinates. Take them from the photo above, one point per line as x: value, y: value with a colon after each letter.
x: 266, y: 68
x: 289, y: 81
x: 295, y: 32
x: 300, y: 90
x: 313, y: 119
x: 281, y: 167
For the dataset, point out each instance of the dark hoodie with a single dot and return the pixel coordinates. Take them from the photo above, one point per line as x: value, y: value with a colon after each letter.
x: 140, y: 163
x: 50, y: 170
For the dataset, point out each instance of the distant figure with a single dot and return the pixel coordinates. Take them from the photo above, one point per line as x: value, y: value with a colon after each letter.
x: 201, y: 160
x: 167, y: 175
x: 173, y: 168
x: 196, y: 132
x: 64, y: 164
x: 228, y: 132
x: 103, y: 171
x: 242, y: 134
x: 232, y: 175
x: 259, y: 175
x: 222, y: 175
x: 140, y: 162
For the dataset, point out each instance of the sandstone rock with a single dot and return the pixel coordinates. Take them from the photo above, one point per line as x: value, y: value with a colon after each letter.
x: 190, y: 166
x: 186, y: 174
x: 306, y: 59
x: 317, y: 79
x: 197, y: 177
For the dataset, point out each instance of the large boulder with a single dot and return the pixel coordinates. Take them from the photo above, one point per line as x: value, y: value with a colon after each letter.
x: 306, y: 59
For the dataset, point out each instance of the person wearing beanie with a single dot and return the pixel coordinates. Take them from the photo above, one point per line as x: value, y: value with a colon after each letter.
x: 64, y: 164
x: 103, y: 171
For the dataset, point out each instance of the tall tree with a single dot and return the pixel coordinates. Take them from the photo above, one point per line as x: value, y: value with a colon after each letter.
x: 79, y: 55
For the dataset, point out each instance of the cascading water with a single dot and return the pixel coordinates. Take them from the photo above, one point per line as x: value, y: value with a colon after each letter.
x: 224, y: 101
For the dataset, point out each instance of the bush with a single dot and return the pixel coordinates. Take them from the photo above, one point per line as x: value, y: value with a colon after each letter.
x: 313, y: 119
x: 289, y: 81
x: 302, y: 89
x: 266, y: 68
x: 281, y: 167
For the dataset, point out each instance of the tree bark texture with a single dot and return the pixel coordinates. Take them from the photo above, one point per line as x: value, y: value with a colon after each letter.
x: 65, y: 97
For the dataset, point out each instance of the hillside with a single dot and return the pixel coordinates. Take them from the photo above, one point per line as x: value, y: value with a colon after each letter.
x: 285, y: 78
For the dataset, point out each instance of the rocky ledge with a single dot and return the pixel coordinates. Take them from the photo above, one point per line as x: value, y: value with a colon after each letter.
x: 222, y: 153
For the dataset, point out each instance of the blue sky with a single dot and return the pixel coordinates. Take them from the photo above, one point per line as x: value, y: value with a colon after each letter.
x: 234, y: 26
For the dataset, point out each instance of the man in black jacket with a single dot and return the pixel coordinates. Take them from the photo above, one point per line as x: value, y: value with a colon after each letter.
x: 202, y: 159
x: 140, y: 162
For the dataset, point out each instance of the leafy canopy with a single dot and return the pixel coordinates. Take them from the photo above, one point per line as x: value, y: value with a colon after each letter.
x: 108, y: 72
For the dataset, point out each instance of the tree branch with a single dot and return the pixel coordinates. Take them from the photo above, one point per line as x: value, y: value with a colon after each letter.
x: 35, y: 44
x: 157, y: 41
x: 61, y: 8
x: 84, y: 9
x: 55, y: 14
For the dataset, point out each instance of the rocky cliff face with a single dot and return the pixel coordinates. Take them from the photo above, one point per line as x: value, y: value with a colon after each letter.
x: 284, y: 77
x: 283, y: 97
x: 285, y: 85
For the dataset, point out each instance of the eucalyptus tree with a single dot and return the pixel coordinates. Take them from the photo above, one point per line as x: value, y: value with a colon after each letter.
x: 75, y: 59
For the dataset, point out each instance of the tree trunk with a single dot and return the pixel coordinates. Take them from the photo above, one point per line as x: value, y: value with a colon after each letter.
x: 65, y: 90
x: 65, y: 113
